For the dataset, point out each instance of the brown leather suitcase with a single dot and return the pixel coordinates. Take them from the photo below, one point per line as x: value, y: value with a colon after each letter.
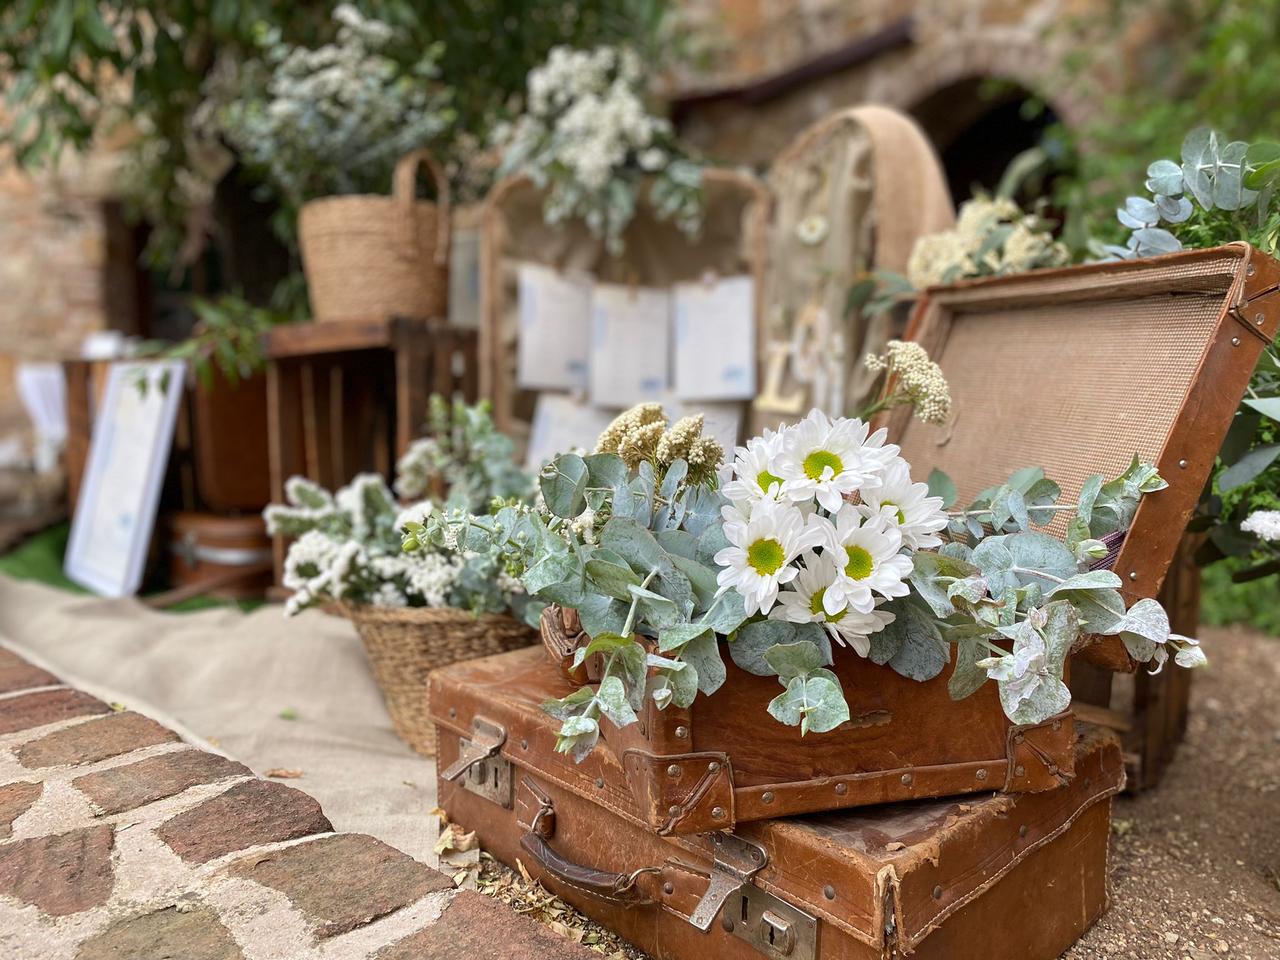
x: 1097, y: 363
x: 723, y: 760
x: 1000, y: 875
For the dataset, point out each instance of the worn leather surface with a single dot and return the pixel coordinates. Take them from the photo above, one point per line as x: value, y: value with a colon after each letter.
x: 904, y: 740
x: 946, y: 872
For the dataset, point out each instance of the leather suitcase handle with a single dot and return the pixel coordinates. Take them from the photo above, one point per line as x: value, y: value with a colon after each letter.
x: 621, y: 888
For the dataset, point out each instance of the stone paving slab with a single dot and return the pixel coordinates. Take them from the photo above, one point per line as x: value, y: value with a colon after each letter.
x: 118, y: 841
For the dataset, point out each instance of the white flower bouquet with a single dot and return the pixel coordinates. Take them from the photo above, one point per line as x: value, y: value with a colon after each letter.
x: 587, y: 135
x: 329, y: 120
x: 815, y: 543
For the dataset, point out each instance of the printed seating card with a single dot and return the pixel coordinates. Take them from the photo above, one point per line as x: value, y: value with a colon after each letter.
x: 630, y: 344
x: 715, y: 343
x: 561, y: 423
x: 555, y: 317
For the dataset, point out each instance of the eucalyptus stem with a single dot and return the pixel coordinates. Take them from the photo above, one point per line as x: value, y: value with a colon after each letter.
x: 631, y: 614
x: 988, y: 512
x: 1038, y: 573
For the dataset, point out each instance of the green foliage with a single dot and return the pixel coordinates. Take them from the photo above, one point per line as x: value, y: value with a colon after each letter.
x: 1225, y: 601
x: 227, y: 338
x: 1210, y: 61
x: 462, y: 459
x: 73, y: 69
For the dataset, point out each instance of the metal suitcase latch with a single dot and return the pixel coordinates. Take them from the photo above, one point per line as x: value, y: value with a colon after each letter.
x: 734, y: 862
x: 481, y: 769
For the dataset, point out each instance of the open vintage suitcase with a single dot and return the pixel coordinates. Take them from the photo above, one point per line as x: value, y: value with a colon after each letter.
x: 930, y: 879
x: 1097, y: 363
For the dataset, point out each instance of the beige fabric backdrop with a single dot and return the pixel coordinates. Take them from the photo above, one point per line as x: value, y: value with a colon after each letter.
x: 226, y: 677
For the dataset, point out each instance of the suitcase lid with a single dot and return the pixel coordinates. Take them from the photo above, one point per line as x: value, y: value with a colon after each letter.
x: 886, y: 875
x: 1097, y: 363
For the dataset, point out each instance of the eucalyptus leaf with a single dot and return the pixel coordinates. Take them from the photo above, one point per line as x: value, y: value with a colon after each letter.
x: 755, y: 639
x: 1049, y: 699
x: 564, y: 482
x: 922, y: 654
x: 612, y: 579
x: 816, y: 703
x: 941, y: 485
x: 674, y: 637
x: 703, y: 654
x: 612, y: 698
x: 789, y: 660
x: 967, y: 676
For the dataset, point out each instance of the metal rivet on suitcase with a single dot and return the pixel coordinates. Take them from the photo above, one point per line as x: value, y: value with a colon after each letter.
x: 600, y: 783
x: 906, y: 779
x: 829, y: 892
x: 524, y: 744
x: 682, y: 733
x: 673, y: 771
x: 1258, y: 319
x: 668, y: 889
x: 1182, y: 464
x: 981, y: 773
x: 937, y: 893
x: 1019, y: 770
x: 727, y: 923
x: 1022, y: 831
x: 766, y: 797
x: 841, y: 789
x: 713, y: 766
x: 673, y: 810
x: 717, y: 813
x: 453, y: 713
x: 1235, y: 341
x: 1133, y: 574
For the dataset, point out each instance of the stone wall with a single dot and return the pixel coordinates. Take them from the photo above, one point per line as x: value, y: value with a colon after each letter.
x: 949, y: 44
x: 54, y: 255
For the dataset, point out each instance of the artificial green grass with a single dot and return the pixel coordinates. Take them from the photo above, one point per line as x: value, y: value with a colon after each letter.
x: 39, y: 558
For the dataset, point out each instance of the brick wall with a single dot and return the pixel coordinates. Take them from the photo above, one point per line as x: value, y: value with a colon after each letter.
x: 118, y: 839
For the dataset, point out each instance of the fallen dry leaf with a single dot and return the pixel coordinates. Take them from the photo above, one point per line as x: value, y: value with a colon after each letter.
x: 283, y: 773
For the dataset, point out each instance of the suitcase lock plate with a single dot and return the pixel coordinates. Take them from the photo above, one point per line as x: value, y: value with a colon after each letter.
x: 774, y: 927
x: 735, y: 861
x: 480, y: 767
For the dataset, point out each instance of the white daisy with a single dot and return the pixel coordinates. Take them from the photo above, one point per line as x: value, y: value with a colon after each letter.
x: 803, y: 602
x: 812, y: 230
x: 763, y: 544
x: 827, y: 460
x: 908, y: 506
x: 866, y: 554
x: 753, y: 478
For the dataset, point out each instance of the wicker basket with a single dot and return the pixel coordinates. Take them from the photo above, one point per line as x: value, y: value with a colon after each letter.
x: 406, y: 644
x: 368, y: 256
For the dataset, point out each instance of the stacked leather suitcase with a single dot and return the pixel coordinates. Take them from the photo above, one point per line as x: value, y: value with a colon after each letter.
x: 921, y: 827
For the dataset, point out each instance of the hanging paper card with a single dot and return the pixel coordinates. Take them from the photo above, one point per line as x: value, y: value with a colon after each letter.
x: 721, y: 420
x: 555, y: 314
x: 630, y: 344
x: 562, y: 423
x: 715, y: 341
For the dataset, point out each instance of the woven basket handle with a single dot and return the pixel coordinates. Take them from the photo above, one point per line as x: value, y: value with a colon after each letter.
x: 403, y: 189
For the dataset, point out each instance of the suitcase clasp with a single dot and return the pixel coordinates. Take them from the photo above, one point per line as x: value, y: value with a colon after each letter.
x: 486, y: 773
x: 734, y: 862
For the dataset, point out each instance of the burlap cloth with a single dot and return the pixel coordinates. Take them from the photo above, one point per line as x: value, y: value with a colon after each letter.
x: 226, y: 677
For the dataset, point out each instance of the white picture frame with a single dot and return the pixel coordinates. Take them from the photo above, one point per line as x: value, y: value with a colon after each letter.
x: 120, y: 491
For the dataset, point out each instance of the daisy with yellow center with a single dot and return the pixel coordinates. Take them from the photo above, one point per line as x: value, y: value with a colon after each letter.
x: 828, y: 460
x: 804, y: 602
x: 868, y: 563
x: 763, y: 542
x: 918, y: 516
x: 753, y: 465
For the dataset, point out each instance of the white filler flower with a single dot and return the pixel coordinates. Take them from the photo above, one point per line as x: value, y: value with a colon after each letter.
x: 803, y: 602
x: 828, y: 460
x: 907, y: 505
x: 865, y: 550
x: 763, y: 544
x: 1263, y: 523
x: 753, y: 464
